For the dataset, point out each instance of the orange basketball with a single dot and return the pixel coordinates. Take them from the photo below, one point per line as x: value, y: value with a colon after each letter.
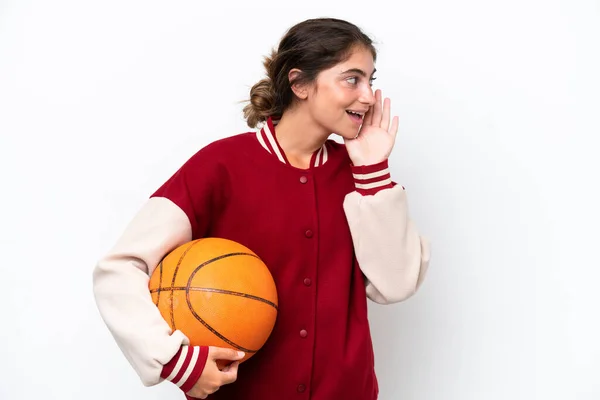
x: 218, y: 293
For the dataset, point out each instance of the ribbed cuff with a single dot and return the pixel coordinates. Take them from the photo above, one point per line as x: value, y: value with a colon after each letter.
x: 370, y: 179
x: 186, y: 366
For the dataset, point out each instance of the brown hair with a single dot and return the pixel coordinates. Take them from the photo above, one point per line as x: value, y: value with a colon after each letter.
x: 310, y: 46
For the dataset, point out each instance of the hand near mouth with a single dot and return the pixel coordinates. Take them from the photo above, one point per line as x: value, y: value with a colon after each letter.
x: 376, y: 136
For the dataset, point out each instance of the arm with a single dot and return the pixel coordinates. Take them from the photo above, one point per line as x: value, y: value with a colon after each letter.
x: 181, y: 209
x: 392, y: 255
x: 120, y: 284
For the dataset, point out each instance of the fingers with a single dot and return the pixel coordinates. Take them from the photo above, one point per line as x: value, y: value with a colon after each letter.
x: 221, y: 353
x: 377, y: 111
x: 230, y: 372
x: 385, y: 118
x: 212, y: 378
x: 230, y: 366
x: 368, y: 118
x: 394, y: 128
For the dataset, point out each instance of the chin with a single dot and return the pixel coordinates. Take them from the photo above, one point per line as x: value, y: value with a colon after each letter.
x: 348, y: 136
x: 348, y: 133
x: 343, y: 129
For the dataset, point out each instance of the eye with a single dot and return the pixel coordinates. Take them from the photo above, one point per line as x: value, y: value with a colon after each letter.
x: 353, y: 80
x: 371, y: 81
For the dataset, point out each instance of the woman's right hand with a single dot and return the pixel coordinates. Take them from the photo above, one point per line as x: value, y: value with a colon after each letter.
x: 212, y: 377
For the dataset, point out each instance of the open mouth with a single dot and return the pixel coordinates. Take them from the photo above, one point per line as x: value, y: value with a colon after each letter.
x: 355, y: 116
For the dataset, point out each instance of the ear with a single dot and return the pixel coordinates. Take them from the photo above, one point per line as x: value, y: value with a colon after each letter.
x: 301, y: 91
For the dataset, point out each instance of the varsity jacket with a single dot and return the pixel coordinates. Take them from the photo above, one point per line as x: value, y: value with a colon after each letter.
x: 332, y: 235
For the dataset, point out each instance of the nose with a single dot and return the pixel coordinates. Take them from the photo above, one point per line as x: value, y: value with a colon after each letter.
x: 367, y: 96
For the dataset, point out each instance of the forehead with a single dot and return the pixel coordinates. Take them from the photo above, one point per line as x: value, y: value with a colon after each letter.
x: 360, y: 58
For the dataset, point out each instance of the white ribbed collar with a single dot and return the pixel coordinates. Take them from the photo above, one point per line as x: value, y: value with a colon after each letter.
x: 266, y: 137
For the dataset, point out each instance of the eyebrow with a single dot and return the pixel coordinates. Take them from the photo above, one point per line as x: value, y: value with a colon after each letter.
x: 359, y: 71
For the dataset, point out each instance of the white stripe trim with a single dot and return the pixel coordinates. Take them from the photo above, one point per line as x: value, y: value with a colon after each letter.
x: 190, y: 367
x: 322, y: 151
x: 273, y: 143
x: 372, y: 174
x: 318, y: 157
x: 373, y: 185
x: 184, y: 350
x: 262, y: 141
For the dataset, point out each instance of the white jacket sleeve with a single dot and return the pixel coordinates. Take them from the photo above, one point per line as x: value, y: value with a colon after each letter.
x: 120, y: 284
x: 392, y: 255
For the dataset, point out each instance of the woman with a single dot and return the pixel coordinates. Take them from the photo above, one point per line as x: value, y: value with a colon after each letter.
x: 325, y: 218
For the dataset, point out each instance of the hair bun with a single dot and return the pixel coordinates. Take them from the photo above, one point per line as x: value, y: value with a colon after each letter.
x: 262, y: 99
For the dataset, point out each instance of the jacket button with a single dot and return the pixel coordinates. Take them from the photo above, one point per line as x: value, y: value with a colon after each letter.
x: 308, y: 233
x: 303, y: 333
x: 303, y: 179
x: 307, y: 282
x: 301, y: 388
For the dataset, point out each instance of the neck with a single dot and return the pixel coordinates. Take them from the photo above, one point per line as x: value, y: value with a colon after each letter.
x: 299, y: 136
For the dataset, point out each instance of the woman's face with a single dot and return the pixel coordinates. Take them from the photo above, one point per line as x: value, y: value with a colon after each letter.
x: 342, y: 95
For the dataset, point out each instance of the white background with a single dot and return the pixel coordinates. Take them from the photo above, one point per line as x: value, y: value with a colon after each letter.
x: 498, y: 148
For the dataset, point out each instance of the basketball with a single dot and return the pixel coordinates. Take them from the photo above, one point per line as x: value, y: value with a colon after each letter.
x: 218, y: 293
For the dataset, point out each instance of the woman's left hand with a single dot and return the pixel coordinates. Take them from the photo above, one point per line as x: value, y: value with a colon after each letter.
x: 376, y: 137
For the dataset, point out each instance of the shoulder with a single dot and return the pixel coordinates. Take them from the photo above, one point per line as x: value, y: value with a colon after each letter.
x: 211, y: 165
x: 223, y: 151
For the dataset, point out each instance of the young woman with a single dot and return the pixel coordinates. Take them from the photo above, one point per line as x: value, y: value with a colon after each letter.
x: 325, y: 217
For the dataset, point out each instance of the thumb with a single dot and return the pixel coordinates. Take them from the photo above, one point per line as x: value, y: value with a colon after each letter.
x: 220, y: 353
